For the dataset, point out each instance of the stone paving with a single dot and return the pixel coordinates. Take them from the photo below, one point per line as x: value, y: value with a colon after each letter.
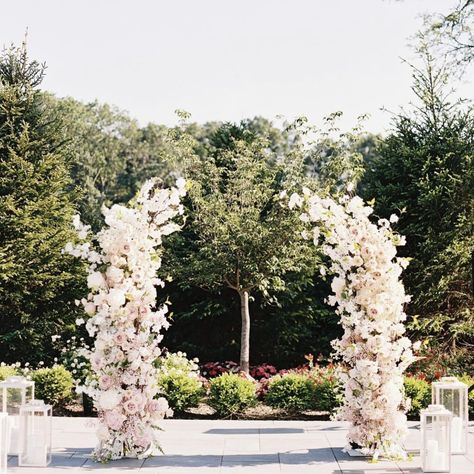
x: 227, y: 446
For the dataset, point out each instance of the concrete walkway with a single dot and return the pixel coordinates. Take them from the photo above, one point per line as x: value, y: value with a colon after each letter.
x: 214, y: 447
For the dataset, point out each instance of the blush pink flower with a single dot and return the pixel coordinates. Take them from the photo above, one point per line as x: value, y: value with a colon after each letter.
x: 114, y: 419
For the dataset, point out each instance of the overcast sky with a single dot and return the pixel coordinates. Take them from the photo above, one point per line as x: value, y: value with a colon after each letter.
x: 225, y: 60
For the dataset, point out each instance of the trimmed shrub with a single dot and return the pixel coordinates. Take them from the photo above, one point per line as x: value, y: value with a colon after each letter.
x: 419, y: 391
x: 230, y: 394
x: 7, y: 371
x: 292, y: 392
x: 326, y: 395
x: 181, y: 390
x: 179, y: 381
x: 54, y: 385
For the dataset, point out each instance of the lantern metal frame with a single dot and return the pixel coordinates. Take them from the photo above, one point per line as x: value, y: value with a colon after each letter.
x: 435, y: 439
x: 4, y: 441
x: 453, y: 395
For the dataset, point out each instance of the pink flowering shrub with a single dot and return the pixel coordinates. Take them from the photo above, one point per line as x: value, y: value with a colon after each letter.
x: 124, y: 258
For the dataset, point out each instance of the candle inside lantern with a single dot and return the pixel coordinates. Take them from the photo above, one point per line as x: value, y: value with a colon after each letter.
x: 456, y: 434
x: 14, y: 436
x: 432, y: 454
x: 435, y: 459
x: 35, y: 451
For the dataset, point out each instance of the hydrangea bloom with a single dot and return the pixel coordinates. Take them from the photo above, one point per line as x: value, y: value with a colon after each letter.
x: 124, y: 321
x: 369, y: 298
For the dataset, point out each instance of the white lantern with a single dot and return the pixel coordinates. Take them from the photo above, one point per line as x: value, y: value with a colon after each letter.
x: 435, y: 439
x: 453, y: 395
x: 4, y: 441
x: 15, y: 391
x: 35, y: 434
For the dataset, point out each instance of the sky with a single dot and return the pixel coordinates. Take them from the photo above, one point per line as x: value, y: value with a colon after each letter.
x: 226, y: 60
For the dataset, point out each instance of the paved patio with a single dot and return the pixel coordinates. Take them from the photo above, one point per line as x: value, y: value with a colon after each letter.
x: 213, y: 447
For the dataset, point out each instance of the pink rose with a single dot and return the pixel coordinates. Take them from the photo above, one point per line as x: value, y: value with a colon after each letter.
x: 105, y: 382
x: 114, y: 419
x: 144, y: 440
x: 126, y: 249
x: 130, y: 406
x: 120, y: 337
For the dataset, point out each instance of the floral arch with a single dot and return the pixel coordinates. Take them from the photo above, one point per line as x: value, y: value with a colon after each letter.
x: 369, y: 298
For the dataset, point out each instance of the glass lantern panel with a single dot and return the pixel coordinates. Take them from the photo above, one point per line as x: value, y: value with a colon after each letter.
x: 14, y: 397
x: 455, y: 400
x: 450, y: 398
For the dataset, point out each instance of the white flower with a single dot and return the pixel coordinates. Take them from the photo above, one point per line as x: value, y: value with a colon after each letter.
x: 90, y: 308
x: 393, y: 218
x: 116, y: 297
x: 95, y: 280
x: 180, y: 183
x: 295, y: 201
x: 79, y: 321
x: 109, y: 399
x: 102, y: 433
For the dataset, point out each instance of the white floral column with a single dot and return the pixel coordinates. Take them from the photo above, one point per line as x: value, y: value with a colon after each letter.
x: 124, y: 259
x: 369, y: 298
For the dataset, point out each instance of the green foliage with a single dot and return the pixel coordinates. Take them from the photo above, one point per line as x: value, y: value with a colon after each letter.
x: 292, y: 392
x: 469, y: 381
x: 419, y: 392
x: 328, y: 394
x: 111, y: 155
x: 182, y: 391
x: 179, y: 362
x: 178, y: 380
x: 230, y: 394
x: 425, y: 168
x: 452, y: 34
x: 7, y: 371
x: 239, y: 233
x: 38, y: 283
x: 54, y: 385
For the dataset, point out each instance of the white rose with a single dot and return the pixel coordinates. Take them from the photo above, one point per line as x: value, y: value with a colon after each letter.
x: 116, y: 298
x: 95, y: 280
x: 89, y: 308
x: 114, y: 273
x: 109, y: 399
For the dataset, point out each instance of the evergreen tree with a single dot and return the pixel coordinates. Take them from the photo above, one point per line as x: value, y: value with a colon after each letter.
x: 426, y: 168
x: 38, y: 283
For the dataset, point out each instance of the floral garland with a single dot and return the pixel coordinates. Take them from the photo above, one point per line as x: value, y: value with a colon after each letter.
x: 369, y: 298
x: 120, y: 305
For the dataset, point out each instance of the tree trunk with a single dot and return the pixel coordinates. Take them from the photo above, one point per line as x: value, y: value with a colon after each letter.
x: 245, y: 331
